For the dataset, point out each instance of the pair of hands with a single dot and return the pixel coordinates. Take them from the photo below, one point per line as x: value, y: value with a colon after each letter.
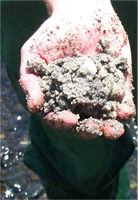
x: 65, y: 32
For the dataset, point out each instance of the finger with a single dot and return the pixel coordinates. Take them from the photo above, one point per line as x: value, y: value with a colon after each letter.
x: 62, y: 120
x: 89, y: 128
x: 126, y: 110
x: 112, y: 129
x: 34, y: 95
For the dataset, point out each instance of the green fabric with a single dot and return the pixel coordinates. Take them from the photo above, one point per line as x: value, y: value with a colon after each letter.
x: 59, y: 157
x: 80, y: 160
x: 123, y: 184
x: 56, y: 186
x: 60, y: 177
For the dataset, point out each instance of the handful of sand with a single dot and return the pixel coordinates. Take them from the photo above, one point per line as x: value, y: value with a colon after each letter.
x: 86, y: 86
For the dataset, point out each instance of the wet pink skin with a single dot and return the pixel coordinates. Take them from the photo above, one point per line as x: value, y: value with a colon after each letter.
x: 62, y: 121
x: 107, y: 129
x: 59, y: 37
x: 110, y: 131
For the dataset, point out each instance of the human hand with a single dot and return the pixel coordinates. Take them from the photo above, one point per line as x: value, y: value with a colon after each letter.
x: 64, y: 33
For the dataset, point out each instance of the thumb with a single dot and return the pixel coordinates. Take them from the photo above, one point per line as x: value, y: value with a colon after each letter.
x: 30, y: 83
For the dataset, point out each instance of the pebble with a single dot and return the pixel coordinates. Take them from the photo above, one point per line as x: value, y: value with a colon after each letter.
x: 133, y: 184
x: 19, y: 117
x: 88, y: 67
x: 2, y: 136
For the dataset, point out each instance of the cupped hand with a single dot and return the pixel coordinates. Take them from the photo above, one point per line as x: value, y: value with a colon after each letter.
x: 64, y: 34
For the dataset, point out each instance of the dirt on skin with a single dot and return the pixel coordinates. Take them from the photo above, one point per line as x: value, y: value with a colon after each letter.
x: 86, y: 86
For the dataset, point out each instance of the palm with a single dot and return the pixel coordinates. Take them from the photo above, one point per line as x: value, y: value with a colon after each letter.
x: 59, y: 37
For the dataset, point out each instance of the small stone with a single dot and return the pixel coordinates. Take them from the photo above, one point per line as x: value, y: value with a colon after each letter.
x: 88, y: 67
x: 24, y: 141
x: 106, y: 108
x: 2, y: 136
x: 133, y: 184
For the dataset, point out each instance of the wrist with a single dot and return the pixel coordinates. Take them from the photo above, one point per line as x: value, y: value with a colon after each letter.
x: 75, y: 6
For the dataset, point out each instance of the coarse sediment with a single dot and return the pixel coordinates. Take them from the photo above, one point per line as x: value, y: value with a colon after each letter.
x: 83, y: 85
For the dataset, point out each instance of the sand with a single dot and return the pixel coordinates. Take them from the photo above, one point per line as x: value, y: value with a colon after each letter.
x: 87, y: 86
x: 84, y: 85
